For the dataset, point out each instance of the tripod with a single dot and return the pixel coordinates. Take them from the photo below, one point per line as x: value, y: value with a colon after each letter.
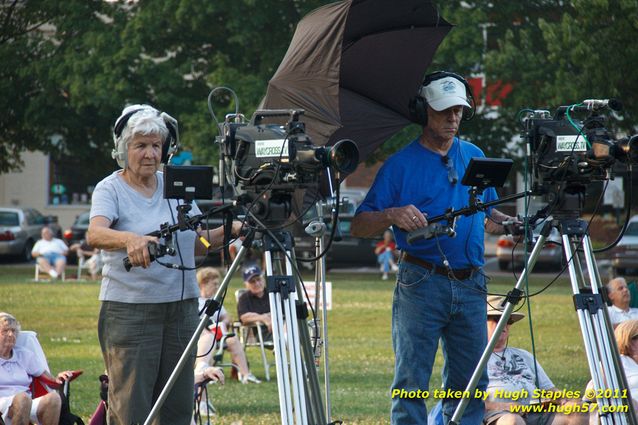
x: 298, y: 385
x: 607, y: 373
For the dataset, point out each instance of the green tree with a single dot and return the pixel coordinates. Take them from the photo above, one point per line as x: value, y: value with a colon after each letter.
x: 68, y: 68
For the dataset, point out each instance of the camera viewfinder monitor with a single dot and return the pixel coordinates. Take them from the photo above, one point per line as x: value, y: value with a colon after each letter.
x: 188, y: 182
x: 486, y: 172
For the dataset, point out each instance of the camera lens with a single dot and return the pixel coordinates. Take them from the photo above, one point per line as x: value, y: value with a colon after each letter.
x: 344, y: 156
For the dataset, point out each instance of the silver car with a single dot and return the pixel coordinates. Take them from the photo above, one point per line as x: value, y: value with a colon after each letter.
x: 624, y: 257
x: 20, y: 229
x: 511, y: 254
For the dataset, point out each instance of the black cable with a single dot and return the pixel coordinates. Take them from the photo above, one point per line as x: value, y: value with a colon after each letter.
x: 217, y: 314
x: 179, y: 251
x: 627, y: 214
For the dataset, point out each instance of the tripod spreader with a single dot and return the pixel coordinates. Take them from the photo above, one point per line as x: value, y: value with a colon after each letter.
x: 475, y: 206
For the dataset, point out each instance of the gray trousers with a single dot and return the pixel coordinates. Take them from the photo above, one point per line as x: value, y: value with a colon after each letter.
x: 141, y: 344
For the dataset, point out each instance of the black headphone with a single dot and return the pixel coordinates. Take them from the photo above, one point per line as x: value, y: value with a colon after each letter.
x: 169, y: 146
x: 418, y: 105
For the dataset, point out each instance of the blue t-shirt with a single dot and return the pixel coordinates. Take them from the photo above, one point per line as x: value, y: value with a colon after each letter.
x: 416, y: 175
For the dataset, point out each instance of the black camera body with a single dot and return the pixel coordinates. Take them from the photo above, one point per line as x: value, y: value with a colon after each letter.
x: 270, y: 156
x: 267, y: 163
x: 280, y: 157
x: 572, y: 153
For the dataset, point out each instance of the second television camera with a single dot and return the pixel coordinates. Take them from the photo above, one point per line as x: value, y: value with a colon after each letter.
x: 572, y: 153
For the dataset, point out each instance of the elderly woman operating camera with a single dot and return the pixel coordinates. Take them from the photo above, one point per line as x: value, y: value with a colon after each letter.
x: 18, y: 366
x: 149, y: 314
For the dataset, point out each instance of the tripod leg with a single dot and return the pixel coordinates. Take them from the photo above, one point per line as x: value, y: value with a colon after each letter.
x: 296, y: 371
x: 594, y: 324
x: 324, y: 321
x: 283, y: 379
x: 299, y: 404
x: 507, y: 312
x: 609, y: 350
x: 313, y: 392
x: 192, y: 344
x: 264, y: 360
x: 606, y: 322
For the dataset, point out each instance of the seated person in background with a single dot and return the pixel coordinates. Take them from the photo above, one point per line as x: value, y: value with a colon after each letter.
x: 18, y: 367
x: 254, y: 306
x: 93, y: 257
x: 385, y: 251
x: 50, y: 253
x: 208, y: 279
x: 512, y: 370
x: 620, y: 298
x: 627, y: 339
x: 95, y: 264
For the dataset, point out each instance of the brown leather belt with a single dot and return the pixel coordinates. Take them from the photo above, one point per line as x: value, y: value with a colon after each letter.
x: 460, y: 274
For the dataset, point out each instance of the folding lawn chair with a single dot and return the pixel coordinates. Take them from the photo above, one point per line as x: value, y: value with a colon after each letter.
x: 41, y: 385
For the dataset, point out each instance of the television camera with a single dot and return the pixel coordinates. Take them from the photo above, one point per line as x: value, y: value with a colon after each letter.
x: 266, y: 163
x: 566, y: 154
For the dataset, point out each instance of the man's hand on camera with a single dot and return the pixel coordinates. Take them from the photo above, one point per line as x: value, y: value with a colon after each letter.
x: 137, y: 250
x: 513, y: 226
x: 408, y: 218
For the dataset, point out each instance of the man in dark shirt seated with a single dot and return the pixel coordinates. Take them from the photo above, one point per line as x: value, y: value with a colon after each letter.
x: 253, y: 305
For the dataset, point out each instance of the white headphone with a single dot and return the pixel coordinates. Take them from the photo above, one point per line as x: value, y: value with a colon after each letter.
x: 169, y: 146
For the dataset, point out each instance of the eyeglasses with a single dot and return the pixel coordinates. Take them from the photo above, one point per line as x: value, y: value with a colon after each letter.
x: 635, y: 337
x: 452, y: 175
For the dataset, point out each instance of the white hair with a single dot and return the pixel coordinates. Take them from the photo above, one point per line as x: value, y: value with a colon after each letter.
x: 9, y: 320
x: 144, y: 120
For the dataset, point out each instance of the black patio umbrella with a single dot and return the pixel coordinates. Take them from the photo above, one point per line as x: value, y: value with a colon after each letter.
x: 354, y: 65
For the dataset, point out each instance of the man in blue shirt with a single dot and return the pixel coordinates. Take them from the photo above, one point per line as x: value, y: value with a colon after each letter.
x: 441, y: 289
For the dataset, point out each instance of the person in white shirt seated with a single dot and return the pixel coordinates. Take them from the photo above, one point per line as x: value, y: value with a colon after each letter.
x: 18, y: 366
x: 513, y: 381
x: 50, y: 253
x: 620, y: 298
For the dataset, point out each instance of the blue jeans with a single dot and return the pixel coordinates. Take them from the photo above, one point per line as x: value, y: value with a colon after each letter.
x: 384, y: 260
x: 426, y: 307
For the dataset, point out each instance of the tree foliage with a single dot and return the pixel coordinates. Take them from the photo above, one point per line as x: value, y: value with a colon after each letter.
x: 68, y: 68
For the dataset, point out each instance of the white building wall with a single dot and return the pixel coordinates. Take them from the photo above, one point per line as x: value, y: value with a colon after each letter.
x: 30, y: 187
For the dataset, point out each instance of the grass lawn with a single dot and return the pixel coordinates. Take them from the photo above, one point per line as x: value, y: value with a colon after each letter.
x: 361, y: 359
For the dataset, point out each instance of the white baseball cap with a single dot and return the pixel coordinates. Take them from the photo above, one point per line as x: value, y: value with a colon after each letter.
x: 445, y: 93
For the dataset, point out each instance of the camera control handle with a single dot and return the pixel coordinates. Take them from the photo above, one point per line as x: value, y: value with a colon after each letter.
x: 152, y: 250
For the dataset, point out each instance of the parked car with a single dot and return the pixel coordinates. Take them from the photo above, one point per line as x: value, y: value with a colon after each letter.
x: 20, y: 229
x: 77, y: 232
x: 624, y: 257
x: 509, y: 253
